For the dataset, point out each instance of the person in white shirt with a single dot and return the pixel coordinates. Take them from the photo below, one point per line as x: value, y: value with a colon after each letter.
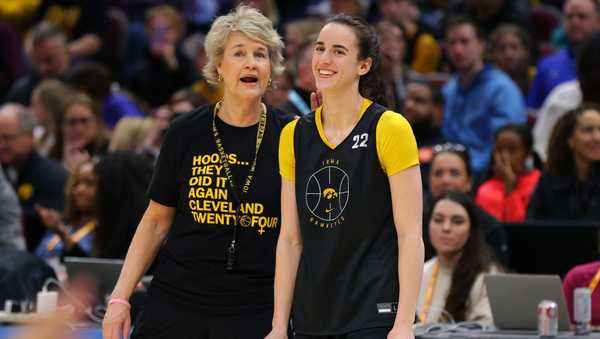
x: 452, y: 287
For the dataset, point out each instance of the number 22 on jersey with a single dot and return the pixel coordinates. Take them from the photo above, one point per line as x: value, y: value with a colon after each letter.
x: 360, y: 140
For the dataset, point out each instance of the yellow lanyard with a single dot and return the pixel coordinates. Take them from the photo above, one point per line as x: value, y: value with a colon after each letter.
x: 231, y: 249
x: 78, y: 235
x: 429, y: 292
x: 594, y: 282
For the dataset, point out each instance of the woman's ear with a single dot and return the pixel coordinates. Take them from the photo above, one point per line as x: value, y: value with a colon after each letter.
x: 365, y: 66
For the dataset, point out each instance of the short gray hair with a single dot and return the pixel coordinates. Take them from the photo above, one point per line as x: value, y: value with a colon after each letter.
x: 25, y: 117
x: 251, y: 23
x: 44, y: 31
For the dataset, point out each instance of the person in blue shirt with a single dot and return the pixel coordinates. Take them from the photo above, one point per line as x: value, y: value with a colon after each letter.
x: 582, y: 17
x: 479, y: 98
x: 71, y: 234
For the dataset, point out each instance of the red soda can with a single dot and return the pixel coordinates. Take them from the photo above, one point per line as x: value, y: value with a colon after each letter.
x: 547, y: 319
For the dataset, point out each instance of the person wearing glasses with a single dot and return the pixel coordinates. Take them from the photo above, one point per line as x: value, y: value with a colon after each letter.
x: 214, y: 211
x: 350, y: 250
x: 80, y: 133
x: 451, y: 171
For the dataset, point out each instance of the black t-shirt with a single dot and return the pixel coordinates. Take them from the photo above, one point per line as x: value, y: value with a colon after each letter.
x: 189, y: 176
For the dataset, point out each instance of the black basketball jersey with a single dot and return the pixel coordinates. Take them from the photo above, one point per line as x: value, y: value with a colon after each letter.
x: 349, y: 262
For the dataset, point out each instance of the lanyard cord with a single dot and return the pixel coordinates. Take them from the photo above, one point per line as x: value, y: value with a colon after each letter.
x: 429, y: 292
x: 595, y: 281
x: 75, y: 237
x: 231, y: 249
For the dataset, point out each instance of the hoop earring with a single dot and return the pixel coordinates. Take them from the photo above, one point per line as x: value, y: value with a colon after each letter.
x: 220, y: 78
x: 270, y: 82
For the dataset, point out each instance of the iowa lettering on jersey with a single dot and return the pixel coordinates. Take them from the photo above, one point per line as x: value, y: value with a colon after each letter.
x: 209, y: 199
x: 360, y: 140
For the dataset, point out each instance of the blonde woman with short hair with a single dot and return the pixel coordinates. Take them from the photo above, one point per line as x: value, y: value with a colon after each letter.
x: 214, y: 202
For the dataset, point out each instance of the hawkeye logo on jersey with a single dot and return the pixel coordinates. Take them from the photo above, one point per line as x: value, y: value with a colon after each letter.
x: 327, y: 193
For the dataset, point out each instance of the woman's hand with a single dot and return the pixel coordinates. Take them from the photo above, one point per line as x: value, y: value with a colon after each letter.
x: 117, y: 322
x: 51, y: 218
x: 277, y: 333
x: 73, y: 156
x: 401, y: 332
x: 503, y: 169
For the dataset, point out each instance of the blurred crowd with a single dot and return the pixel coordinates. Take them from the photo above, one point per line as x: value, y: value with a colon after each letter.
x: 502, y: 96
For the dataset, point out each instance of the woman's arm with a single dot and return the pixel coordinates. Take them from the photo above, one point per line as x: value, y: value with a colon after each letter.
x: 149, y: 236
x: 407, y: 207
x: 289, y: 249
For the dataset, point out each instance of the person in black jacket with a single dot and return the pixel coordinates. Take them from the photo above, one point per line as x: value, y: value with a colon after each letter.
x: 164, y: 69
x: 570, y: 187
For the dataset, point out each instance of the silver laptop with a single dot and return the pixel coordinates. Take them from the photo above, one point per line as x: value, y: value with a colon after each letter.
x: 514, y: 299
x: 105, y: 272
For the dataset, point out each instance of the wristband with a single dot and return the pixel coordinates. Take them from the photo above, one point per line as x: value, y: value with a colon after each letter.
x: 119, y: 301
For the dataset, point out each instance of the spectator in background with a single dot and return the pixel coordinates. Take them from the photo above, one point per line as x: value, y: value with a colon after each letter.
x: 194, y: 47
x: 327, y: 8
x: 452, y: 288
x: 83, y: 22
x: 489, y: 14
x: 450, y: 171
x: 71, y: 233
x: 11, y: 230
x: 297, y: 31
x: 423, y: 53
x: 569, y: 95
x: 479, y: 98
x: 433, y: 14
x: 511, y: 53
x: 47, y: 102
x: 199, y: 14
x: 585, y: 275
x: 95, y: 80
x: 37, y: 180
x: 267, y: 7
x: 161, y: 117
x: 49, y: 58
x: 131, y: 134
x: 121, y: 200
x: 570, y: 187
x: 80, y: 134
x: 423, y: 110
x: 298, y: 101
x: 582, y: 18
x: 278, y: 95
x: 395, y: 74
x: 506, y: 194
x: 164, y: 69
